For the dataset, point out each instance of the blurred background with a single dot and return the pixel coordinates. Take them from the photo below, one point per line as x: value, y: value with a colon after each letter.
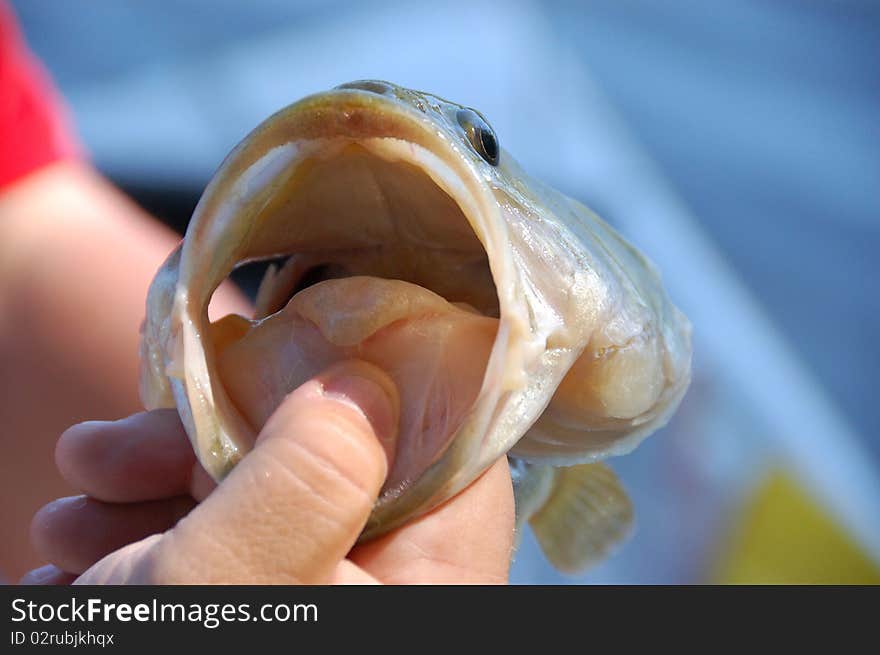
x: 736, y: 143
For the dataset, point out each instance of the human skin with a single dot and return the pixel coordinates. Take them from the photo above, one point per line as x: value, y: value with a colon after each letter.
x: 289, y: 513
x: 76, y: 259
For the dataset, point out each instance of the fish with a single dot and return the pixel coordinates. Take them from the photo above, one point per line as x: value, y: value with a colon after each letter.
x: 513, y: 320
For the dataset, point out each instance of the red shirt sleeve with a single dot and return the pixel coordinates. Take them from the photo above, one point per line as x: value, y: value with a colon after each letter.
x: 34, y: 126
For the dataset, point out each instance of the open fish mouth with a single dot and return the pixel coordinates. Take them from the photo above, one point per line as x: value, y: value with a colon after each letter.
x: 383, y: 224
x: 510, y: 317
x: 382, y: 265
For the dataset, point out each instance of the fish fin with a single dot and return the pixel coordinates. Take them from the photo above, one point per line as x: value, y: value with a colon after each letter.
x: 584, y: 514
x: 532, y: 484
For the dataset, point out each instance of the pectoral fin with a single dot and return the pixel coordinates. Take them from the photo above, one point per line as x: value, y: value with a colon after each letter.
x: 577, y: 512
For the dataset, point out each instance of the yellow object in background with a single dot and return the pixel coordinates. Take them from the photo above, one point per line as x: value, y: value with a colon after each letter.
x: 783, y: 536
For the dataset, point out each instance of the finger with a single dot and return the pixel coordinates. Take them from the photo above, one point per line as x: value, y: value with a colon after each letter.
x: 349, y: 573
x: 146, y: 456
x: 469, y: 539
x: 74, y: 533
x: 47, y: 575
x: 293, y: 507
x: 131, y: 565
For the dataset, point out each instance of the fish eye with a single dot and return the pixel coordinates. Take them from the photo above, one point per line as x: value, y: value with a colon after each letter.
x: 373, y: 86
x: 480, y: 134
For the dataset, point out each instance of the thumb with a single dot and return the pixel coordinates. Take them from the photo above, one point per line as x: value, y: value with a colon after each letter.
x: 294, y: 506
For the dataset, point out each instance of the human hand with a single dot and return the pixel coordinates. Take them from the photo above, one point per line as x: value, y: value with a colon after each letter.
x: 289, y: 513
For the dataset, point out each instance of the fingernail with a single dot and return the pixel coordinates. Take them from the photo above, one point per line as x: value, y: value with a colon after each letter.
x: 41, y: 576
x: 371, y: 391
x: 69, y: 503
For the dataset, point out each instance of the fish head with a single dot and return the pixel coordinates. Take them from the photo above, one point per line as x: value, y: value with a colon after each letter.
x: 510, y: 317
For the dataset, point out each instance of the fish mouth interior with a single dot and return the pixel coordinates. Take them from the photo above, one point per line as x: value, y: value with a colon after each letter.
x: 350, y: 209
x: 375, y: 236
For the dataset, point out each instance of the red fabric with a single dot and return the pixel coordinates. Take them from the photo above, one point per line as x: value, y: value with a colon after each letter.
x: 34, y: 130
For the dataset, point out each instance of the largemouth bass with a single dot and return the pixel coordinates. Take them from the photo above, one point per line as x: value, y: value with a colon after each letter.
x: 512, y: 319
